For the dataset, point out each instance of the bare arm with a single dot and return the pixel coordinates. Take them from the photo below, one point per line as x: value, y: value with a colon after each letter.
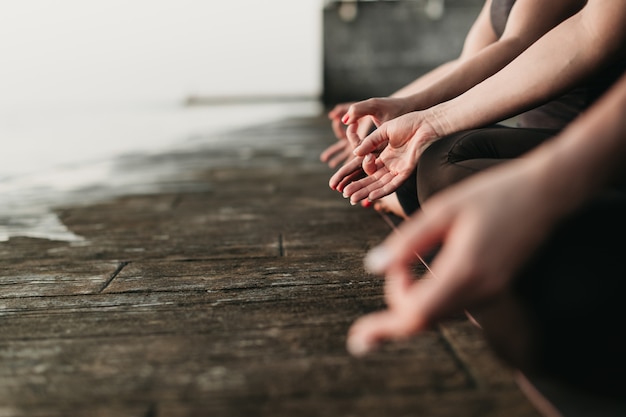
x: 482, y: 215
x: 557, y: 62
x: 479, y: 36
x: 551, y: 66
x: 483, y: 56
x: 528, y: 21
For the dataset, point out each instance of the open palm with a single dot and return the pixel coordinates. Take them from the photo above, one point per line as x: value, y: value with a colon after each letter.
x: 402, y: 141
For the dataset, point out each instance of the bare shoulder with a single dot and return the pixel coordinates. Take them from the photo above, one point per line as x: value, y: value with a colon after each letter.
x: 533, y: 18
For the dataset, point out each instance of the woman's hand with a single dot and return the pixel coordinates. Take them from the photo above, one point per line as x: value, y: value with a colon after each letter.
x: 379, y: 110
x: 389, y: 155
x: 340, y: 152
x: 488, y: 225
x: 335, y: 115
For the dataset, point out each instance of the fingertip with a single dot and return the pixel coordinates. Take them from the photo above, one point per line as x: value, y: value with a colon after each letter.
x: 360, y: 150
x: 378, y: 259
x: 358, y: 346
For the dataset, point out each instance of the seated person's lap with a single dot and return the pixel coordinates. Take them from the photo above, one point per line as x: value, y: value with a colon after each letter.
x: 462, y: 154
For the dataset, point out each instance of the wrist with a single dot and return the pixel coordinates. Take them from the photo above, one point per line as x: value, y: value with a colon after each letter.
x: 439, y: 121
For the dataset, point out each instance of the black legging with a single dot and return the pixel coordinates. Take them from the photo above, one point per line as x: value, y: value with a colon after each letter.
x: 462, y: 154
x: 572, y: 292
x: 572, y: 289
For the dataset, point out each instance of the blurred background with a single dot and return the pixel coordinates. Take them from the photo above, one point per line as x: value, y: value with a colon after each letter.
x: 92, y: 77
x: 147, y: 51
x: 85, y: 81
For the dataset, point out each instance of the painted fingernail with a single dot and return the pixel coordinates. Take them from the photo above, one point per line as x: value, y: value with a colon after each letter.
x: 345, y: 119
x: 377, y: 260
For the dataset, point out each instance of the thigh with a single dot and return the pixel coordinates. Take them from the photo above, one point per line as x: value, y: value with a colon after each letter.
x: 455, y: 157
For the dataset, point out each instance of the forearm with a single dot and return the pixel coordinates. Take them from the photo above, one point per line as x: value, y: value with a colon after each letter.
x: 426, y: 79
x: 465, y: 75
x: 589, y: 155
x: 551, y: 66
x: 485, y: 56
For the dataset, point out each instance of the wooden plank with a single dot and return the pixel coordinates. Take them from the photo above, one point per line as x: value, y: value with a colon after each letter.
x: 46, y: 278
x: 224, y: 290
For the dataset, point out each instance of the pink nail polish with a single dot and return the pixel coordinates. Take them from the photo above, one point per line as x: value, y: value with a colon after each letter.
x: 345, y: 119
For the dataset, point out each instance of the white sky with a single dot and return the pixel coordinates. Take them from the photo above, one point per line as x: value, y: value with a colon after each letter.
x: 84, y: 81
x: 157, y: 50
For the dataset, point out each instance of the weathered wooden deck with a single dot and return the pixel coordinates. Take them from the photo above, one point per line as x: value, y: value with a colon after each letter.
x: 227, y: 293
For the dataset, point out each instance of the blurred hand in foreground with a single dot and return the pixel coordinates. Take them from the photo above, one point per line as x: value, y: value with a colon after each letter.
x: 484, y: 244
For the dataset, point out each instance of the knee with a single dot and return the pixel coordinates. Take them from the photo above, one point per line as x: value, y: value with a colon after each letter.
x: 432, y: 171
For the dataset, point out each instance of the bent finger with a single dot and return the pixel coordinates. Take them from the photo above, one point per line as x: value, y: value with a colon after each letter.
x: 361, y: 109
x: 367, y: 189
x: 369, y: 164
x: 349, y: 179
x: 332, y: 150
x: 417, y: 235
x: 374, y: 142
x: 340, y: 158
x: 352, y: 135
x: 369, y: 331
x: 392, y: 183
x: 347, y: 169
x: 339, y: 130
x: 339, y: 110
x: 361, y: 186
x: 397, y: 284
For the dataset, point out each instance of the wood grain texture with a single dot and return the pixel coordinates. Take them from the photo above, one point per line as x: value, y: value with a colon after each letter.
x: 226, y: 292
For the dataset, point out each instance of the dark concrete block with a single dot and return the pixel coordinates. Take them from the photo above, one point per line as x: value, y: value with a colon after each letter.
x: 374, y: 48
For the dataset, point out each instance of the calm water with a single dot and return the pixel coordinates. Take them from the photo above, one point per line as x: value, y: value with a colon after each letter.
x: 49, y: 156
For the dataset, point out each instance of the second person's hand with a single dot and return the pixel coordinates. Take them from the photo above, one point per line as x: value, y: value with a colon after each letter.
x: 390, y: 155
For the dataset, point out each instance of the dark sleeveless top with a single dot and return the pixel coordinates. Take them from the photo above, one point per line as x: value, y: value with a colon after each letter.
x: 557, y: 113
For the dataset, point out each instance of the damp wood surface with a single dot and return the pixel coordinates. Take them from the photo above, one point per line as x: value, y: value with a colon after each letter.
x: 228, y: 291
